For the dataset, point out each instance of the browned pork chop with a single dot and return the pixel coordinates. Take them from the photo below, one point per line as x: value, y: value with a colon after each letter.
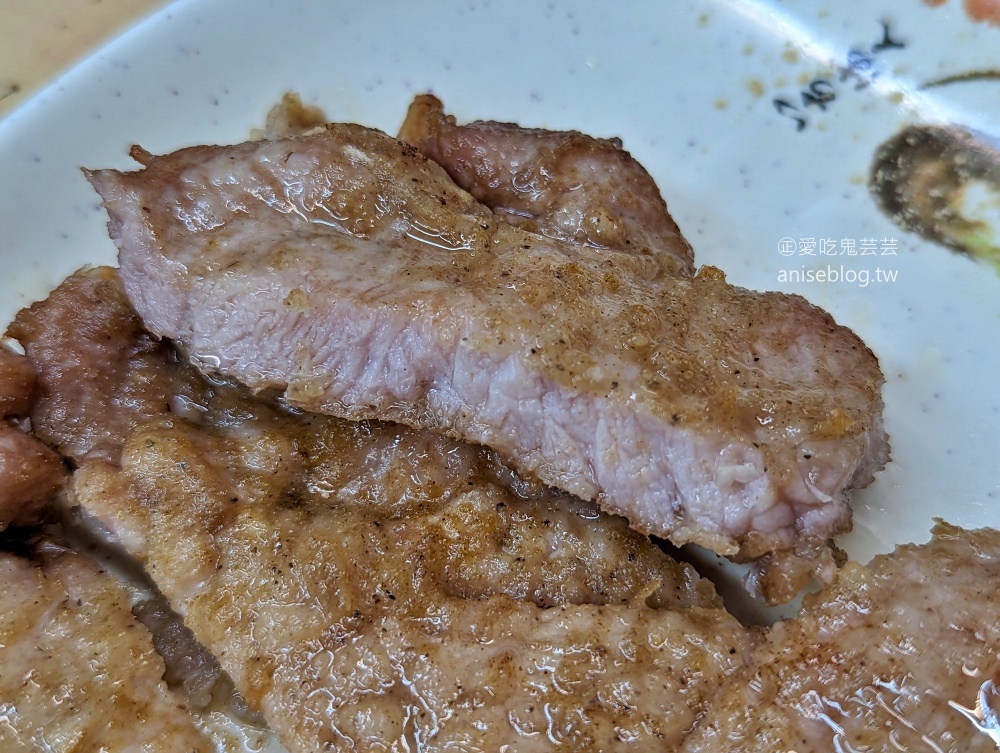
x: 901, y: 655
x: 100, y: 372
x: 77, y: 671
x: 349, y: 271
x: 562, y: 184
x: 30, y: 477
x: 17, y: 383
x: 370, y: 582
x: 367, y: 623
x: 30, y: 473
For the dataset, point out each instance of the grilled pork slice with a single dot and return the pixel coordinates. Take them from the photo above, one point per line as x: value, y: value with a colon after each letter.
x: 99, y: 371
x: 30, y: 473
x: 138, y: 383
x: 372, y: 582
x: 562, y: 184
x: 17, y: 383
x: 367, y: 623
x: 77, y: 671
x: 349, y: 271
x: 901, y: 655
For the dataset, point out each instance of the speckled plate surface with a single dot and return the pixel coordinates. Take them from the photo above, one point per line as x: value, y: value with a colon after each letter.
x: 758, y: 119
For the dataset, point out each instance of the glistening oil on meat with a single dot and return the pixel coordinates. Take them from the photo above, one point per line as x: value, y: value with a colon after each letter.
x: 370, y: 585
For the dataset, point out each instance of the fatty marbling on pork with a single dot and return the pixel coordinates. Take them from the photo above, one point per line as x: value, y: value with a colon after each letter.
x: 348, y: 271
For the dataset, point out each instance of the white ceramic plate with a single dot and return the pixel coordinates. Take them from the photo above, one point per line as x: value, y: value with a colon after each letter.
x: 692, y: 89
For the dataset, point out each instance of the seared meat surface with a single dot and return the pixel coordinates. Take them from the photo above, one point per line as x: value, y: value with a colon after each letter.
x: 370, y: 582
x: 17, y: 383
x: 100, y: 372
x: 30, y: 473
x: 77, y: 671
x: 351, y: 624
x: 886, y: 658
x: 30, y: 476
x: 348, y: 271
x: 562, y: 184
